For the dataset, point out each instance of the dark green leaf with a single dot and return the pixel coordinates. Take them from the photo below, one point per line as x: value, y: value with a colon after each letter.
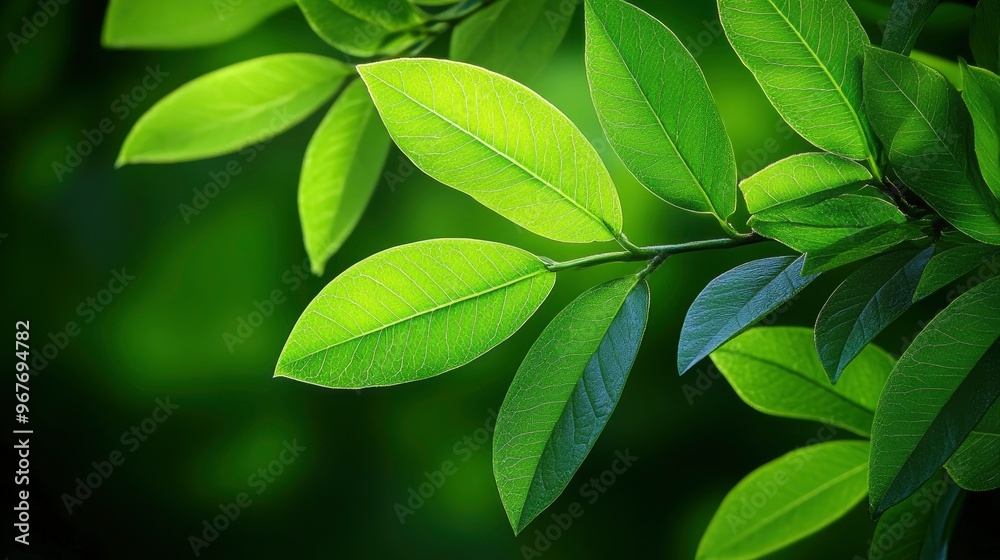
x: 657, y: 110
x: 393, y: 15
x: 906, y: 19
x: 234, y: 107
x: 343, y: 163
x: 985, y: 35
x: 152, y: 24
x: 982, y: 97
x: 350, y: 33
x: 787, y: 500
x: 940, y: 389
x: 922, y: 122
x: 776, y: 371
x: 807, y: 56
x: 734, y: 302
x: 513, y: 37
x: 976, y: 464
x: 510, y: 150
x: 920, y: 527
x: 413, y: 312
x: 951, y: 264
x: 864, y: 305
x: 811, y: 201
x: 564, y: 393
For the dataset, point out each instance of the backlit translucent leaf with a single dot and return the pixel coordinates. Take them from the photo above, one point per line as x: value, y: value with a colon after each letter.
x: 787, y: 500
x: 811, y: 201
x: 413, y: 312
x: 807, y: 56
x: 982, y: 97
x: 513, y: 37
x: 865, y: 304
x: 976, y: 464
x: 657, y: 110
x: 776, y: 371
x: 499, y: 142
x: 951, y: 264
x: 564, y: 393
x: 234, y: 107
x: 734, y: 302
x: 922, y: 122
x: 941, y: 388
x: 920, y: 527
x: 985, y: 35
x: 343, y: 163
x: 152, y: 24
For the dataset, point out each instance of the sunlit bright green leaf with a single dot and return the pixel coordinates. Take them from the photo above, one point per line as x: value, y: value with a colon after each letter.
x: 776, y: 371
x: 351, y: 33
x: 513, y: 37
x: 657, y: 110
x: 807, y: 56
x: 951, y: 264
x: 811, y: 201
x: 787, y: 500
x: 153, y: 24
x: 865, y: 304
x: 734, y: 302
x: 922, y: 122
x: 413, y: 312
x: 982, y: 97
x: 236, y: 106
x: 941, y: 388
x: 564, y: 393
x: 343, y: 163
x: 866, y: 243
x: 499, y: 142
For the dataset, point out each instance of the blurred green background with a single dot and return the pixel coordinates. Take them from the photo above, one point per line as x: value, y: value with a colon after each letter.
x: 70, y: 230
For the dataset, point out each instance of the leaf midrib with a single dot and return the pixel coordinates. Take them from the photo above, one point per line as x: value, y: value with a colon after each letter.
x: 434, y: 309
x: 600, y: 221
x: 836, y: 86
x: 659, y: 121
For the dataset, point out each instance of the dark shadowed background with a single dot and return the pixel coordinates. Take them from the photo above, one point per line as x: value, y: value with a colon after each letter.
x: 76, y: 230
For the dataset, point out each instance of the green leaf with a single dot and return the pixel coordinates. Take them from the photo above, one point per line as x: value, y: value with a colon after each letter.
x: 811, y: 201
x: 939, y: 390
x: 563, y: 394
x: 231, y: 108
x: 864, y: 305
x: 920, y: 527
x: 984, y: 37
x: 342, y: 166
x: 515, y: 38
x: 866, y: 243
x: 982, y: 97
x: 393, y: 15
x: 906, y: 19
x: 413, y: 312
x: 657, y: 110
x: 149, y: 24
x: 922, y: 122
x: 351, y: 33
x: 807, y: 56
x: 776, y: 371
x: 734, y: 302
x: 951, y: 264
x: 976, y: 464
x: 499, y: 142
x: 787, y: 500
